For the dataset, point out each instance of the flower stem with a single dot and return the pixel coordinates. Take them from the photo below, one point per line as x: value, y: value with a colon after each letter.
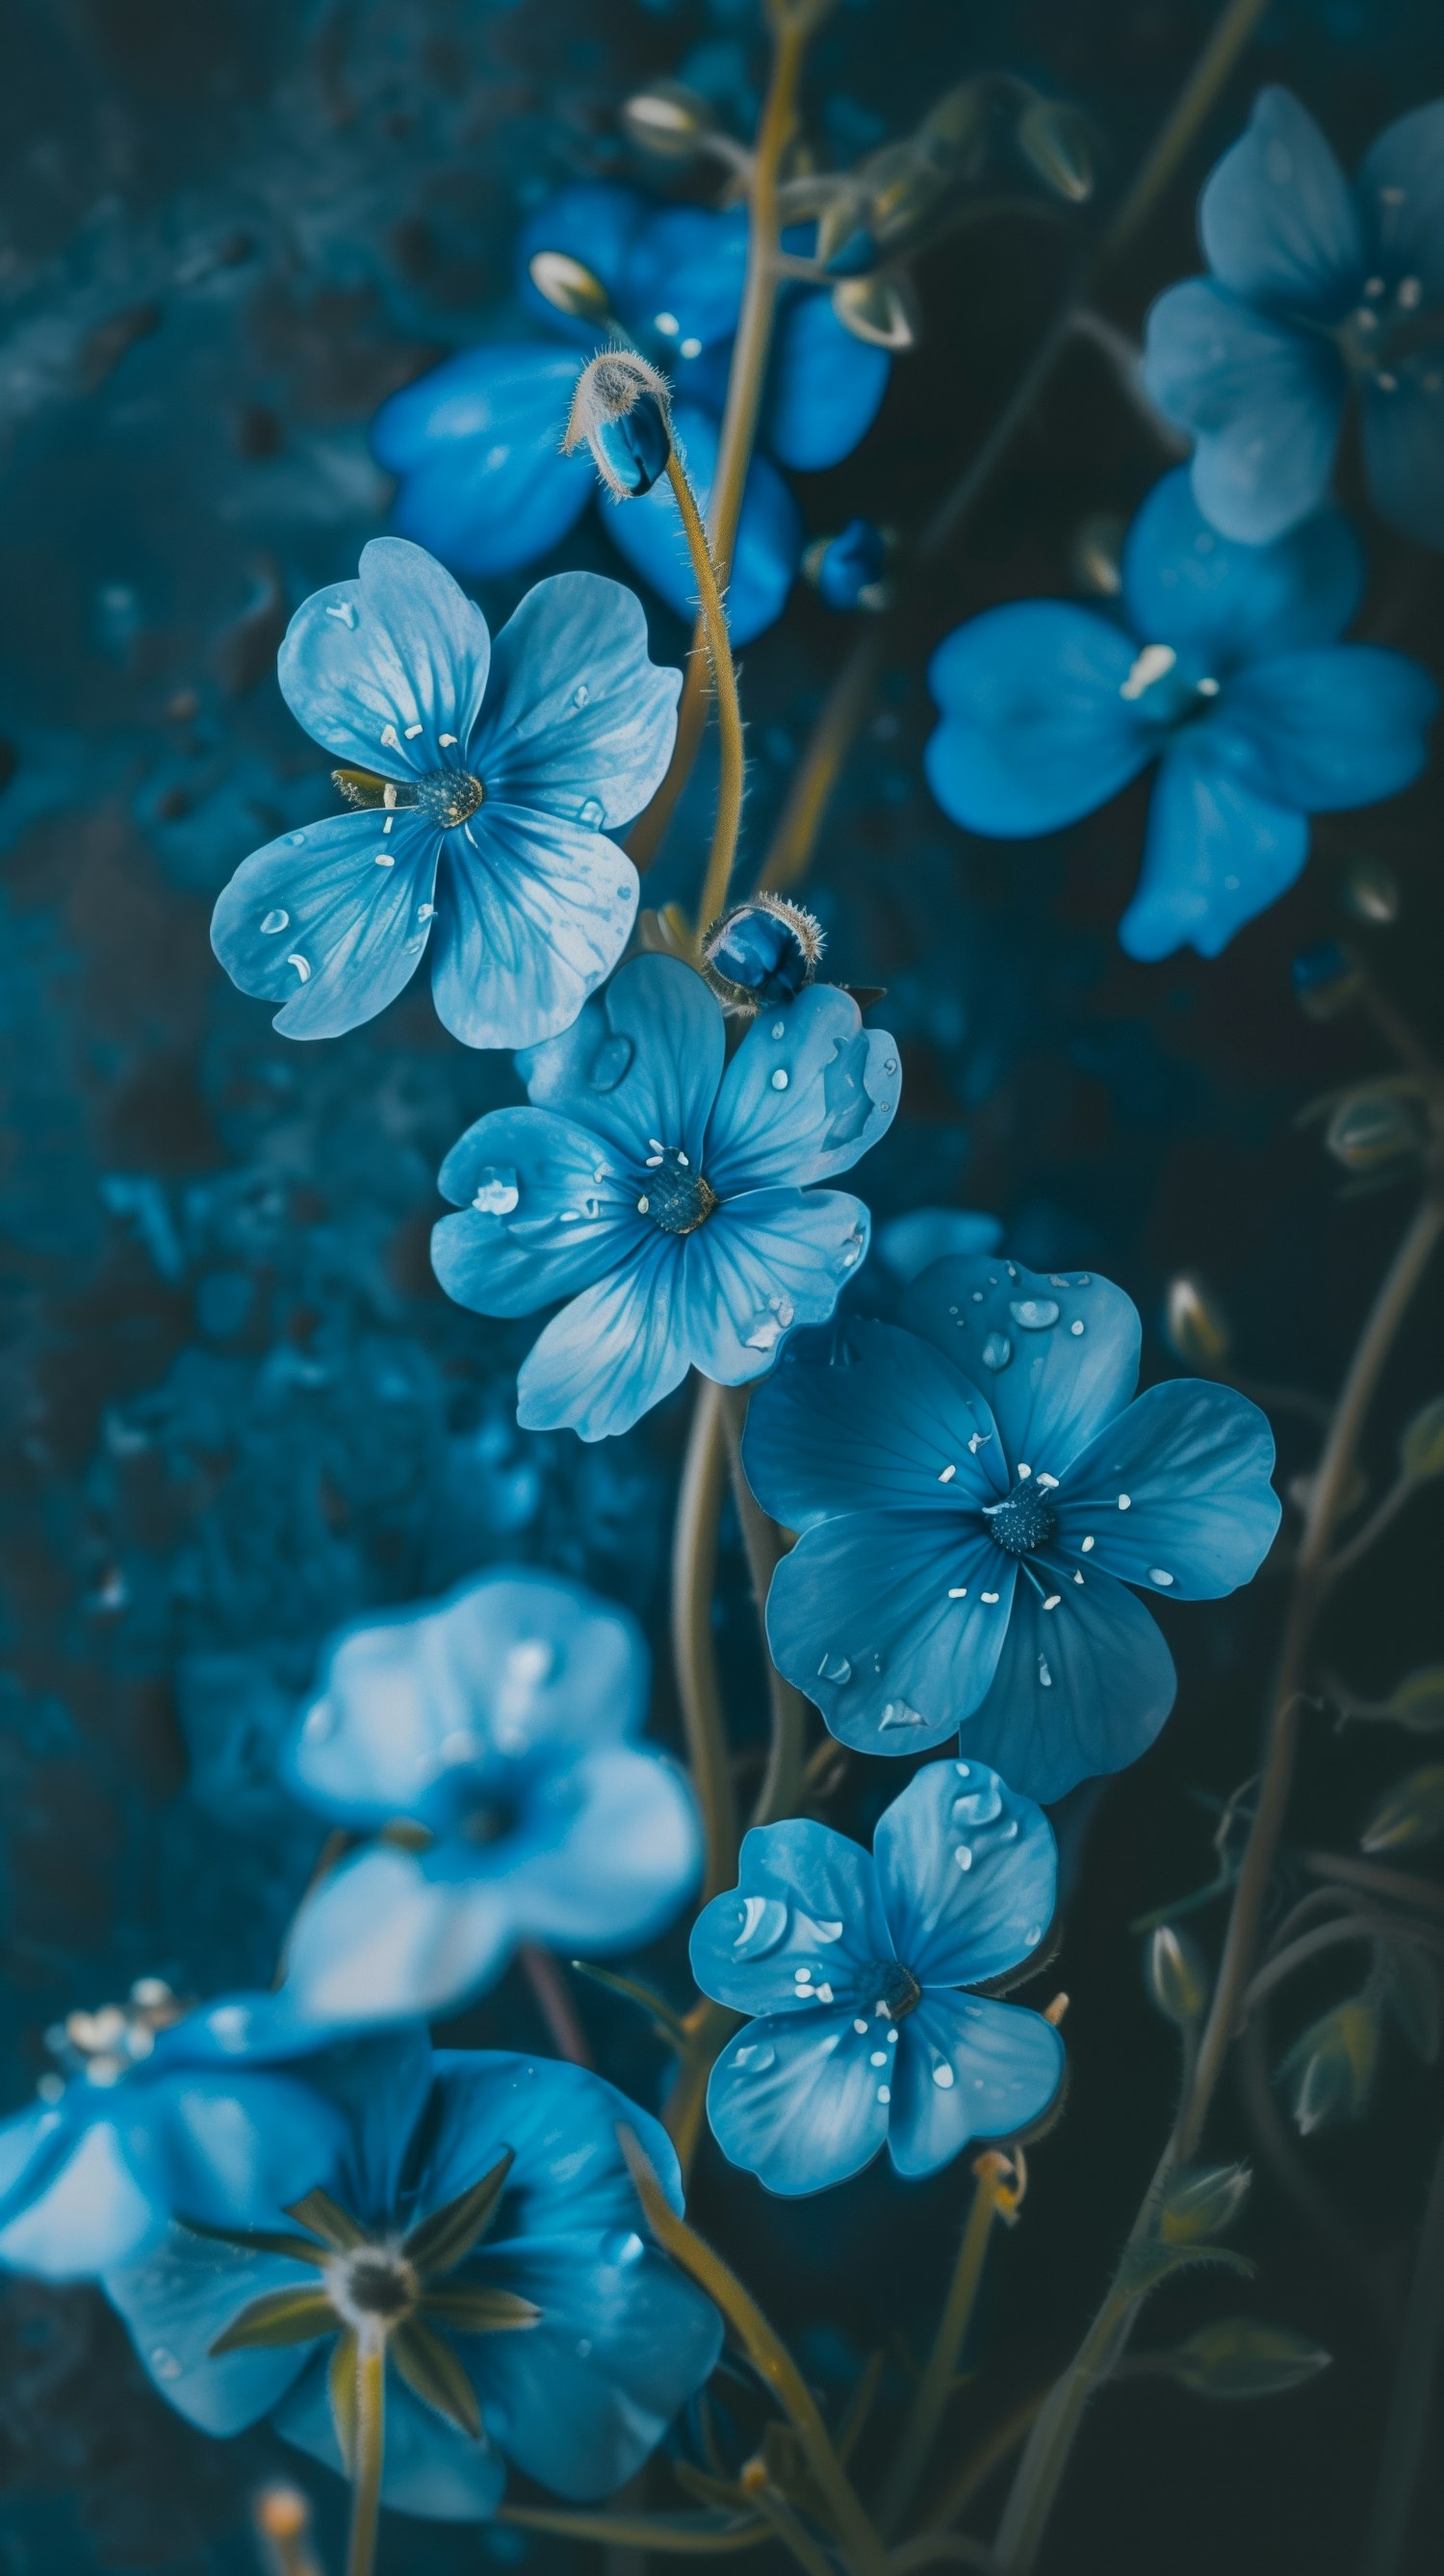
x: 549, y: 1993
x: 991, y: 2199
x: 709, y: 2535
x: 694, y: 1570
x: 793, y: 2534
x: 729, y: 713
x: 370, y: 2452
x: 782, y: 1780
x: 1409, y: 2412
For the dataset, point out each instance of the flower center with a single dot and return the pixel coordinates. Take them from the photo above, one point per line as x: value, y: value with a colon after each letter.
x: 1022, y: 1521
x: 372, y: 2285
x: 890, y: 1988
x: 674, y: 1196
x: 449, y: 796
x: 1163, y: 690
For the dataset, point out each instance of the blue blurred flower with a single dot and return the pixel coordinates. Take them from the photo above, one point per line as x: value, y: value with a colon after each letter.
x: 1317, y: 289
x: 847, y: 571
x: 489, y: 779
x: 534, y: 2325
x: 974, y: 1495
x: 852, y: 1964
x: 665, y: 1195
x: 497, y: 1720
x: 1227, y: 671
x: 475, y: 443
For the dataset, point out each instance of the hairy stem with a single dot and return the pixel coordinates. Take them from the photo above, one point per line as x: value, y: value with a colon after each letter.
x: 370, y: 2452
x: 990, y: 2198
x: 729, y: 713
x: 782, y: 1780
x: 694, y: 1573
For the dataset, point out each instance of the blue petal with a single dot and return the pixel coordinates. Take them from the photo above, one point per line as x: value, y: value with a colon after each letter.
x: 862, y: 1616
x: 477, y: 442
x: 1262, y: 399
x: 578, y: 721
x: 572, y: 1217
x: 795, y: 2101
x: 531, y: 914
x: 1034, y: 730
x: 431, y: 2468
x: 569, y: 2179
x: 222, y: 2146
x: 1005, y: 2065
x: 177, y: 2301
x: 1224, y: 603
x: 1400, y: 195
x: 769, y: 534
x: 1194, y: 1461
x: 594, y: 222
x: 805, y: 1898
x: 824, y: 386
x: 379, y: 668
x: 1012, y: 1332
x: 385, y: 1939
x: 1277, y: 218
x: 908, y: 1245
x: 341, y: 900
x: 613, y: 1353
x: 1404, y: 448
x: 875, y: 1429
x: 1079, y: 1690
x: 80, y: 2204
x: 1216, y: 853
x: 1327, y: 730
x: 643, y: 1060
x: 959, y: 1921
x: 807, y: 1093
x: 684, y: 276
x: 427, y: 1714
x: 762, y: 1263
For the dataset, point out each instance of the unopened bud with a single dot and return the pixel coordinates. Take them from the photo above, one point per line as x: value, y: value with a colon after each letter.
x: 1055, y: 140
x: 1325, y: 980
x: 845, y: 243
x: 569, y: 286
x: 1370, y: 1128
x: 1176, y: 1975
x: 1194, y: 1322
x: 762, y: 954
x: 1411, y: 1814
x: 1332, y: 2067
x: 1202, y: 2202
x: 1241, y: 2357
x: 620, y: 411
x: 1096, y: 553
x: 1421, y: 1451
x: 1371, y: 893
x: 1418, y: 1701
x: 955, y: 130
x: 669, y: 120
x: 880, y: 309
x: 847, y: 570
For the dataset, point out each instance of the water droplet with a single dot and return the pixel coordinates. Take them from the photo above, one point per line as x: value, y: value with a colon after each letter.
x: 164, y: 2363
x: 762, y: 1922
x: 780, y: 1079
x: 766, y: 1332
x: 580, y: 694
x: 963, y: 1855
x: 1156, y: 1575
x: 302, y: 966
x: 877, y: 2057
x: 861, y: 2028
x: 590, y: 812
x: 274, y: 922
x: 884, y: 2093
x: 896, y: 1712
x: 1125, y: 1502
x: 1075, y: 1329
x: 344, y: 612
x: 496, y: 1191
x: 943, y: 2077
x: 978, y: 1806
x: 320, y: 1722
x: 779, y: 1028
x: 1044, y: 1676
x: 997, y: 1351
x: 834, y: 1668
x: 889, y: 1064
x: 612, y: 1060
x: 1033, y: 1314
x: 754, y: 2057
x: 1032, y: 1936
x: 826, y: 1931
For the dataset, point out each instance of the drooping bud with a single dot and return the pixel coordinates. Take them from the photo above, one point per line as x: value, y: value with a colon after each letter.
x: 620, y: 410
x: 1421, y: 1450
x: 1176, y: 1975
x: 1371, y: 893
x: 569, y: 286
x: 669, y: 120
x: 1239, y: 2357
x: 880, y: 309
x: 1194, y: 1322
x: 1410, y: 1815
x: 1325, y: 980
x: 1055, y: 140
x: 1095, y: 554
x: 1369, y: 1128
x: 955, y: 130
x: 1202, y: 2201
x: 1331, y: 2068
x: 761, y: 954
x: 1418, y: 1701
x: 846, y: 571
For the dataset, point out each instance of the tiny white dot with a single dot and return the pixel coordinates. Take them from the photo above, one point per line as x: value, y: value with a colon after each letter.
x: 861, y: 2029
x: 412, y: 731
x: 1125, y: 1502
x: 884, y: 2093
x: 1053, y: 1600
x: 947, y: 1475
x: 1087, y: 1544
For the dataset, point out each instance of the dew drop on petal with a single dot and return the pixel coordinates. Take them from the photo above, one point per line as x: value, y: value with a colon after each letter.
x: 826, y: 1931
x: 496, y: 1191
x: 754, y: 2057
x: 780, y: 1079
x: 1044, y: 1676
x: 297, y: 840
x: 762, y: 1922
x: 580, y: 694
x: 1033, y: 1314
x: 834, y: 1668
x: 978, y: 1806
x: 164, y: 2363
x: 1125, y: 1502
x: 997, y: 1351
x: 1032, y: 1936
x: 589, y: 813
x: 884, y: 2093
x: 612, y: 1060
x: 1156, y: 1574
x: 896, y: 1712
x: 943, y: 2076
x: 963, y: 1855
x: 274, y: 922
x: 779, y: 1028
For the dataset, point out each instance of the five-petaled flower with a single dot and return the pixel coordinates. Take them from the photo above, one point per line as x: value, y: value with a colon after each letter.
x: 487, y: 779
x: 974, y: 1495
x: 475, y: 442
x: 1226, y: 669
x: 470, y: 2215
x: 498, y: 1722
x: 852, y: 1964
x: 667, y: 1195
x: 1316, y: 288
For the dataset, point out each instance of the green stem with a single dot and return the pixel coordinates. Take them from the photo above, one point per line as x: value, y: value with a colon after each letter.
x: 1380, y: 1518
x: 694, y: 1571
x: 1410, y: 2412
x: 370, y: 2453
x: 793, y: 2534
x: 762, y: 1539
x: 732, y: 781
x: 939, y: 2373
x: 984, y: 2463
x: 709, y: 2029
x: 702, y: 2535
x: 1373, y: 1874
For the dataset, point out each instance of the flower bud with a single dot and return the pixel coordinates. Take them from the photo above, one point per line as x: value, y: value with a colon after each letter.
x: 669, y: 120
x: 1194, y: 1323
x: 1418, y: 1701
x: 1325, y: 980
x: 955, y: 131
x: 620, y: 410
x: 880, y: 309
x: 1202, y: 2201
x: 1371, y: 893
x: 569, y: 286
x: 1332, y: 2067
x: 1369, y: 1128
x: 1241, y: 2357
x: 1055, y: 140
x: 1421, y: 1451
x: 846, y: 243
x: 1176, y: 1975
x: 1411, y: 1814
x: 762, y: 954
x: 847, y: 570
x: 1095, y: 554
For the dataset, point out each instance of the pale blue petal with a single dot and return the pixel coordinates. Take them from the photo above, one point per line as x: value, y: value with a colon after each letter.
x: 381, y: 2083
x: 806, y: 1898
x: 684, y: 275
x: 807, y: 1093
x: 179, y: 2299
x: 1404, y: 449
x: 876, y: 1427
x: 32, y: 2143
x: 643, y: 1060
x: 578, y: 721
x: 1277, y: 218
x: 594, y: 222
x: 560, y: 2121
x: 532, y: 914
x: 574, y: 1215
x: 1400, y: 194
x: 762, y: 1263
x: 1034, y: 730
x: 330, y: 922
x: 908, y: 1245
x: 383, y: 1939
x: 967, y: 1873
x: 1081, y: 1689
x: 796, y: 2101
x: 607, y: 1855
x: 1012, y: 1332
x: 477, y: 442
x: 379, y: 668
x: 1216, y: 853
x: 769, y: 534
x: 1005, y: 2065
x: 824, y: 386
x: 1327, y: 730
x: 1223, y: 603
x: 431, y: 2468
x: 862, y: 1615
x: 1262, y: 399
x: 1194, y: 1461
x: 80, y: 2206
x: 613, y: 1353
x: 222, y: 2146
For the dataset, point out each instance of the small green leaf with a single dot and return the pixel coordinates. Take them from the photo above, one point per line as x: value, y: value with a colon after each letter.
x: 1421, y: 1451
x: 259, y: 2240
x: 1201, y: 2201
x: 432, y: 2370
x: 1418, y: 1702
x: 344, y: 2393
x: 327, y: 2219
x: 1239, y: 2357
x: 1332, y: 2067
x: 1151, y: 2261
x: 1414, y: 1999
x: 278, y: 2317
x: 445, y: 2239
x: 479, y: 2311
x: 1411, y: 1813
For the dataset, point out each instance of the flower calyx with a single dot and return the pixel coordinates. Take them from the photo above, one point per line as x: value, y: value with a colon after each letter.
x: 621, y: 410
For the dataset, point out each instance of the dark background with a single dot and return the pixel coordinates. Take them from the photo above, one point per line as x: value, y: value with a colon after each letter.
x: 236, y: 1407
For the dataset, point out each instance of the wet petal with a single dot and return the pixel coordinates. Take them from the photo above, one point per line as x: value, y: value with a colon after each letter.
x: 1277, y: 217
x: 477, y: 443
x: 544, y: 1213
x: 684, y: 276
x: 1005, y: 2065
x: 761, y: 1264
x: 330, y: 922
x: 532, y: 914
x: 1080, y: 1690
x: 824, y: 386
x: 967, y: 1872
x: 613, y: 1353
x: 579, y: 721
x: 1216, y: 853
x: 797, y: 2102
x: 1262, y: 399
x: 379, y: 668
x: 179, y: 2299
x: 1226, y: 603
x: 806, y: 1899
x: 642, y: 1061
x: 569, y: 2178
x: 875, y: 1426
x: 1175, y: 1493
x: 892, y: 1622
x: 1034, y: 731
x: 807, y: 1093
x: 1054, y: 1353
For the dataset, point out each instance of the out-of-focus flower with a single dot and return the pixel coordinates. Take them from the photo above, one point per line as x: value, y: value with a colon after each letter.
x: 1317, y: 289
x: 852, y: 1963
x: 847, y: 571
x: 664, y: 1195
x: 1227, y: 671
x: 487, y: 781
x: 974, y: 1497
x: 498, y: 1721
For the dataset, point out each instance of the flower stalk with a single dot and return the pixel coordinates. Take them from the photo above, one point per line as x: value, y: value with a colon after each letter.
x: 370, y: 2444
x: 732, y: 781
x: 996, y: 2195
x: 694, y: 1574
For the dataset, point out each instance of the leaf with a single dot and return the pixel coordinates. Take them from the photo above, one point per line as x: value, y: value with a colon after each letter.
x: 1421, y: 1451
x: 446, y: 2238
x: 327, y: 2219
x: 278, y: 2317
x: 1239, y: 2357
x: 1411, y: 1813
x: 480, y: 2311
x: 342, y: 2389
x: 1414, y: 1999
x: 433, y: 2371
x: 259, y: 2240
x: 1150, y: 2261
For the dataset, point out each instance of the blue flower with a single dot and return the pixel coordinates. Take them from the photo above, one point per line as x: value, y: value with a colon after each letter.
x: 498, y: 1720
x: 974, y: 1495
x: 852, y: 1963
x: 489, y: 779
x: 475, y: 443
x: 1317, y: 289
x: 666, y: 1195
x: 158, y: 2107
x: 606, y: 2340
x: 1227, y: 671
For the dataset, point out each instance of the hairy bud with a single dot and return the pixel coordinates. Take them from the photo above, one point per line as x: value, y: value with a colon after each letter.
x: 761, y: 954
x: 620, y: 411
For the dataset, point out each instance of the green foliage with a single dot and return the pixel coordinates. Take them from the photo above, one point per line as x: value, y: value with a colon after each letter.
x: 1410, y: 1814
x: 1240, y: 2357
